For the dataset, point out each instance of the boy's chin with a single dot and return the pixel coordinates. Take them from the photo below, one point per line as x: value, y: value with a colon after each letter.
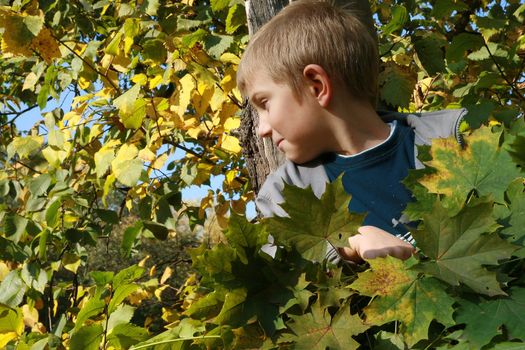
x: 299, y: 159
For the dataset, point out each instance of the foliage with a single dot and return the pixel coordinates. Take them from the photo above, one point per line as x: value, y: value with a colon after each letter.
x: 154, y: 110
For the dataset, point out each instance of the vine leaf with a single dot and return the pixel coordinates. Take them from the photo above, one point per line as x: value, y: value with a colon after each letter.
x: 482, y: 167
x: 484, y: 319
x: 318, y: 330
x: 314, y: 223
x: 460, y: 245
x: 401, y: 295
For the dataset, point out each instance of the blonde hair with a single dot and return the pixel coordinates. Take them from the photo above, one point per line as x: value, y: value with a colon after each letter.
x: 314, y: 32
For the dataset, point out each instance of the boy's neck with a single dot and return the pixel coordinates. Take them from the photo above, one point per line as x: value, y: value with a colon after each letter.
x: 356, y: 127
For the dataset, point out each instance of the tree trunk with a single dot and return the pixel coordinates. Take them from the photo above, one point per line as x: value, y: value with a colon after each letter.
x: 261, y: 156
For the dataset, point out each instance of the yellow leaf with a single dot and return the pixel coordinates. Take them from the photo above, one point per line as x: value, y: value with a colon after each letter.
x: 147, y: 155
x: 126, y: 102
x: 158, y: 292
x: 71, y: 262
x: 73, y: 117
x: 155, y: 81
x: 121, y: 63
x: 217, y: 100
x: 140, y: 79
x: 166, y: 275
x: 83, y: 82
x: 103, y: 159
x: 46, y: 45
x: 232, y: 123
x: 201, y: 100
x: 30, y: 81
x: 159, y: 162
x: 169, y: 315
x: 108, y: 184
x: 30, y: 315
x: 231, y: 144
x: 230, y: 176
x: 229, y: 57
x: 24, y: 146
x: 142, y: 263
x: 187, y: 86
x: 4, y: 270
x: 152, y: 271
x: 5, y: 338
x: 126, y: 152
x: 136, y: 297
x: 195, y: 132
x: 227, y: 111
x: 113, y: 47
x: 229, y: 82
x: 54, y: 157
x: 17, y: 36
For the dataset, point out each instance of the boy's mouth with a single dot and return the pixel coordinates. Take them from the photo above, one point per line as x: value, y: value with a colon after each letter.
x: 278, y: 142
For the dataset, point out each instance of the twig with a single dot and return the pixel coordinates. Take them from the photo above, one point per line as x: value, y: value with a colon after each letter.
x: 503, y: 75
x: 19, y: 113
x: 90, y: 65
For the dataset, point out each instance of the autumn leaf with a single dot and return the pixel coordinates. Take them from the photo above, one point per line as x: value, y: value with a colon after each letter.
x: 401, y: 295
x: 483, y: 167
x: 319, y: 330
x: 459, y: 246
x: 315, y: 224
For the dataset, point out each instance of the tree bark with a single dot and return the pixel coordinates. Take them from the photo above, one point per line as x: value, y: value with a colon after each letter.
x: 261, y: 156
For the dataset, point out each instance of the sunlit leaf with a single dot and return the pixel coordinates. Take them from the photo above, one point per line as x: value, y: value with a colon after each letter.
x: 314, y: 224
x: 401, y: 295
x: 483, y: 167
x: 319, y: 330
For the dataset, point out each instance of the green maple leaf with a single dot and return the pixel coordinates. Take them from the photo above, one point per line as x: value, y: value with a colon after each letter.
x: 483, y: 320
x: 515, y: 142
x: 319, y: 330
x: 314, y: 224
x: 246, y: 285
x: 516, y: 197
x: 483, y: 167
x: 460, y: 245
x: 401, y: 295
x: 244, y: 237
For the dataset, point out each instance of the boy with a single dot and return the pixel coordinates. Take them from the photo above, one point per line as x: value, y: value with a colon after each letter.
x: 312, y: 75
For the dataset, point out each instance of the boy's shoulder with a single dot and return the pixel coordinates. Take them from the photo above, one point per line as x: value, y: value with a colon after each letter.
x: 430, y: 125
x: 427, y: 126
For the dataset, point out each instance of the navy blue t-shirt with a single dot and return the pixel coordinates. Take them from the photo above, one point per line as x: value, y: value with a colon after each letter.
x: 373, y: 178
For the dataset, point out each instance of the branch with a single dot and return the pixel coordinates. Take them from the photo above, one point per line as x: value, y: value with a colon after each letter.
x: 90, y: 65
x: 503, y: 75
x: 27, y: 166
x: 19, y: 113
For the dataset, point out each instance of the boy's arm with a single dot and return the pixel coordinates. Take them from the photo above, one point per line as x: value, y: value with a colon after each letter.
x: 372, y: 242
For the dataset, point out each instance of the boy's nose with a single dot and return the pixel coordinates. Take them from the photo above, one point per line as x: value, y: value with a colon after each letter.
x: 264, y: 129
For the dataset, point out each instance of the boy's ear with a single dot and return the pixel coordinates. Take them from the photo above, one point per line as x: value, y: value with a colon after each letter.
x: 318, y: 83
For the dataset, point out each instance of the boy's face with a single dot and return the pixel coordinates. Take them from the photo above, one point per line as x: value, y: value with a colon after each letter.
x: 296, y: 126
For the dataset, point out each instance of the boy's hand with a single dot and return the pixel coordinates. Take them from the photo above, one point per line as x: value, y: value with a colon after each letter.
x: 373, y: 242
